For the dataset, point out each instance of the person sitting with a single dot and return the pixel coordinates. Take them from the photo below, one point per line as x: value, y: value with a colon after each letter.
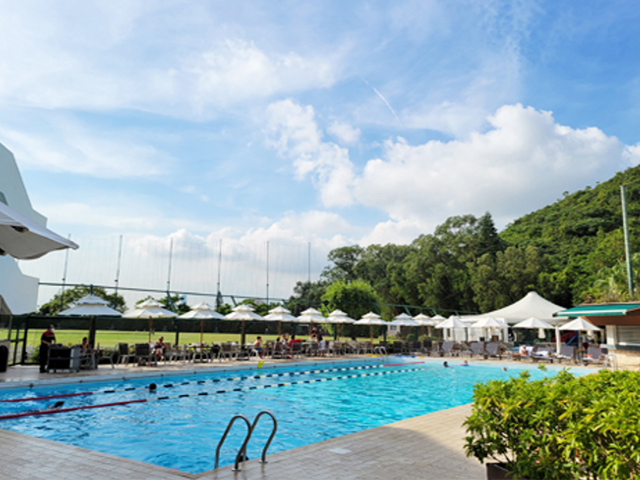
x: 257, y: 346
x: 159, y: 348
x: 85, y: 347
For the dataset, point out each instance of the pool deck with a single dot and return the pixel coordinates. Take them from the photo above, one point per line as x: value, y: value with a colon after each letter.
x: 426, y: 447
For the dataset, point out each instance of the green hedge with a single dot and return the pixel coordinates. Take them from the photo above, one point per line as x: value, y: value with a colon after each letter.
x: 559, y: 427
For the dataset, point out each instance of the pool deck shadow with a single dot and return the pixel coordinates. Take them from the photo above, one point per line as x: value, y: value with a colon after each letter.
x: 426, y: 447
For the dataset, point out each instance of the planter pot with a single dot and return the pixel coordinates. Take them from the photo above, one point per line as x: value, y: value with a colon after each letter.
x: 496, y: 471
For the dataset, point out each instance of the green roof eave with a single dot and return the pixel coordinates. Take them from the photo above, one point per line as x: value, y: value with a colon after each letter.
x: 613, y: 310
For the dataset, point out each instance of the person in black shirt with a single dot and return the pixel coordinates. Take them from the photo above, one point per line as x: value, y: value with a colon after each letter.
x: 48, y: 338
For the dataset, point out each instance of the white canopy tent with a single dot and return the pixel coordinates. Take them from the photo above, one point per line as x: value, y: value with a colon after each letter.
x: 531, y: 305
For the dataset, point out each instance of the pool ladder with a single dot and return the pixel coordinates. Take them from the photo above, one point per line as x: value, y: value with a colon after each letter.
x: 242, y: 453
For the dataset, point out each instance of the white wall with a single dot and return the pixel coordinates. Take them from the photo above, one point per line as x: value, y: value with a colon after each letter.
x: 19, y: 291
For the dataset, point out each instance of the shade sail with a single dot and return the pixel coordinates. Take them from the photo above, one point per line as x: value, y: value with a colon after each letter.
x: 531, y: 305
x: 533, y: 322
x: 92, y: 306
x: 24, y: 239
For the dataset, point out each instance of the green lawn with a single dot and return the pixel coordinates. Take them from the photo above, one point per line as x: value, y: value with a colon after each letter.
x: 109, y: 338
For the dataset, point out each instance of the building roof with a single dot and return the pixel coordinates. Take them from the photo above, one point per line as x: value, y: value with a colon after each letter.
x: 601, y: 310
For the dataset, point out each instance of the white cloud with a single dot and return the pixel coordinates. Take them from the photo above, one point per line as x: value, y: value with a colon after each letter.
x: 293, y: 131
x: 399, y: 232
x: 64, y: 146
x: 522, y: 163
x: 632, y: 154
x: 344, y: 132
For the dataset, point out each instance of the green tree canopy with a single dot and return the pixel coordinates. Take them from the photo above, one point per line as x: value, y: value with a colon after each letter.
x: 355, y: 299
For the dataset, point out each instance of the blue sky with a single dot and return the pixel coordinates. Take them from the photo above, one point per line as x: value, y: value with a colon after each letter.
x: 325, y: 122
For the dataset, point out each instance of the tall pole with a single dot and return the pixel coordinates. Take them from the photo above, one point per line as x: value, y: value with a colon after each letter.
x: 169, y: 272
x: 309, y: 263
x: 267, y: 274
x: 64, y: 274
x: 218, y: 296
x: 117, y: 280
x: 627, y: 247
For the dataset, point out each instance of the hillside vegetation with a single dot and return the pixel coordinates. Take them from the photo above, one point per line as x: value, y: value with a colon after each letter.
x: 570, y: 252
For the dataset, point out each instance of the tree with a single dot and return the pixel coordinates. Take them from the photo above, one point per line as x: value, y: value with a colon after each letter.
x: 63, y: 301
x: 175, y: 303
x: 344, y: 261
x: 356, y: 298
x: 305, y: 295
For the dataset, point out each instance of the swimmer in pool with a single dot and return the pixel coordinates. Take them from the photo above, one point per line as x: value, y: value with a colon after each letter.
x: 465, y: 364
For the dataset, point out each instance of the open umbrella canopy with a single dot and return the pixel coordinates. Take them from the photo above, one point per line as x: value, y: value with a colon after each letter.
x: 580, y: 324
x: 150, y: 309
x: 243, y: 312
x: 338, y: 316
x: 438, y: 318
x: 404, y: 320
x: 488, y: 322
x: 371, y: 319
x: 202, y: 311
x: 452, y: 322
x: 423, y: 319
x: 280, y: 314
x: 22, y: 238
x: 311, y: 315
x: 533, y: 322
x: 91, y: 305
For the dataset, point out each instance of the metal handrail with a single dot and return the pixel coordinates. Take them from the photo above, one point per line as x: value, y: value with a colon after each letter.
x: 244, y: 444
x: 273, y: 433
x: 242, y: 453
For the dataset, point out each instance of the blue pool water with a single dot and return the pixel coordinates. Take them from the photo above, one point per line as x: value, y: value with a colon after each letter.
x: 183, y: 433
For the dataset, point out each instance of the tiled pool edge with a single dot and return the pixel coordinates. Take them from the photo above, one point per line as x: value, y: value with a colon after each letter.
x: 427, y: 447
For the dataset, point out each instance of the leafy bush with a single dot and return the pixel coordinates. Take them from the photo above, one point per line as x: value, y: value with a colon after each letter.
x: 559, y: 427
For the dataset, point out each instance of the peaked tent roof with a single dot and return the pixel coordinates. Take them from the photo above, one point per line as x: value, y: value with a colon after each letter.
x: 531, y: 305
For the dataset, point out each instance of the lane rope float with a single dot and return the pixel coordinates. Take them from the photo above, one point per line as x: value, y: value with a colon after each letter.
x: 214, y: 380
x: 203, y: 394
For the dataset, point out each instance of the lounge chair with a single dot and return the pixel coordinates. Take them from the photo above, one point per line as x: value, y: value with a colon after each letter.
x: 143, y: 354
x: 492, y: 349
x: 228, y: 351
x: 476, y: 348
x: 278, y: 351
x: 123, y: 353
x: 567, y: 352
x: 447, y: 348
x: 594, y: 356
x: 296, y: 349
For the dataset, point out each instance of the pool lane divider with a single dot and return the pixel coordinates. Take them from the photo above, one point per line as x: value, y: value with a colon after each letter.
x: 215, y: 380
x: 202, y: 394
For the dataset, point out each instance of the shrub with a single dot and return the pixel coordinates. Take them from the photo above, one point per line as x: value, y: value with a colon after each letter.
x: 559, y: 427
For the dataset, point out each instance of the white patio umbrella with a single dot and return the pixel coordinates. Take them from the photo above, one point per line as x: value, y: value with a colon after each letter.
x: 451, y: 323
x: 438, y: 319
x: 338, y: 317
x: 311, y: 315
x: 488, y: 323
x: 404, y: 320
x: 202, y: 311
x: 243, y: 313
x: 91, y: 306
x: 150, y: 309
x: 22, y: 238
x: 534, y: 322
x: 371, y: 319
x: 425, y: 321
x: 280, y: 314
x: 579, y: 324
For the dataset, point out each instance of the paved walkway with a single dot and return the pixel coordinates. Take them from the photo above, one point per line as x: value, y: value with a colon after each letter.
x: 427, y: 447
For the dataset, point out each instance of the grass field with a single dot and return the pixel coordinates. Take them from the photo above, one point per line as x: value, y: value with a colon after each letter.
x: 110, y: 338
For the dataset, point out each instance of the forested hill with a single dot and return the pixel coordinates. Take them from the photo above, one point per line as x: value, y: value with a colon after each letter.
x: 581, y: 235
x: 570, y: 252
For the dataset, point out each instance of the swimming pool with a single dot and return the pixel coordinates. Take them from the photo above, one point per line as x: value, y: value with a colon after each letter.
x: 311, y: 403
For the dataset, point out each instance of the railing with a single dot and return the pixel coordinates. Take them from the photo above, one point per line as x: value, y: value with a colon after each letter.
x: 242, y: 452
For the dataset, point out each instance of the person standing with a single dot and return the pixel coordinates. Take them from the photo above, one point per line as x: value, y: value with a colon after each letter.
x: 47, y: 339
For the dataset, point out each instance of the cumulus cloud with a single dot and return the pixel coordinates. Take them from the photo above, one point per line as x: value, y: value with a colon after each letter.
x: 524, y: 161
x: 344, y: 132
x: 292, y: 129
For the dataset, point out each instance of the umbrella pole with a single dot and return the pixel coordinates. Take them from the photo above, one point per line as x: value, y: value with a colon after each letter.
x: 371, y: 331
x: 242, y: 337
x: 150, y: 327
x: 279, y: 327
x: 201, y: 331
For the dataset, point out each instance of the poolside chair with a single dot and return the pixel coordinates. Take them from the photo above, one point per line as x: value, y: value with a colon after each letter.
x: 476, y: 348
x: 447, y: 348
x: 492, y: 349
x: 228, y: 351
x: 296, y: 349
x: 143, y: 354
x: 594, y: 356
x: 123, y: 353
x: 567, y: 352
x: 278, y: 351
x: 313, y: 349
x: 397, y: 347
x: 435, y: 350
x: 335, y: 348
